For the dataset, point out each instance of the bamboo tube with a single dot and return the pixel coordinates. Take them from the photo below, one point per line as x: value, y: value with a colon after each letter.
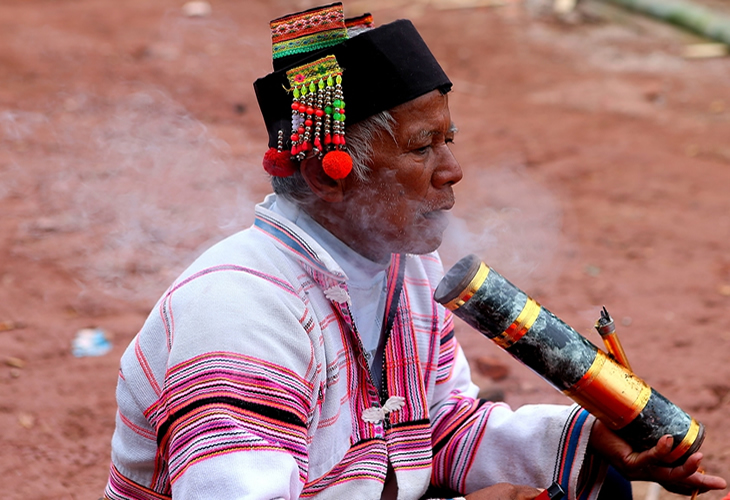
x: 484, y: 299
x: 698, y: 19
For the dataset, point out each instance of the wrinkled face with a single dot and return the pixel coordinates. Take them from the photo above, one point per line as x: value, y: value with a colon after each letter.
x: 402, y: 207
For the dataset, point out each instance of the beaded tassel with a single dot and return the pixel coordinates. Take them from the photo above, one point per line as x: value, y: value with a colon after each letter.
x: 337, y: 163
x: 277, y: 162
x: 338, y: 115
x: 328, y: 113
x: 318, y: 115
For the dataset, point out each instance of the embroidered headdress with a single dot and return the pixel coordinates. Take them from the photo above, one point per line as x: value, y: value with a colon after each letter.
x: 329, y: 70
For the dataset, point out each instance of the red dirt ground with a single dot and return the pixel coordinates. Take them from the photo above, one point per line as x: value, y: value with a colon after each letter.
x: 596, y: 159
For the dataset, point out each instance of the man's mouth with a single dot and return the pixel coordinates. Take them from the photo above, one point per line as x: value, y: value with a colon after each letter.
x: 437, y: 218
x: 435, y: 214
x: 439, y: 212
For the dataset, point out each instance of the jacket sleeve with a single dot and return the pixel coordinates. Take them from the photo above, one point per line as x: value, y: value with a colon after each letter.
x: 233, y: 407
x: 239, y: 412
x: 478, y: 443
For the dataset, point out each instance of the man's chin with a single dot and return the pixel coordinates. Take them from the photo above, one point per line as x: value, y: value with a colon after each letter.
x: 427, y: 237
x: 424, y: 245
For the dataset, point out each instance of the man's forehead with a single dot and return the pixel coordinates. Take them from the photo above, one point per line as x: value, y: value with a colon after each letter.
x: 424, y: 134
x: 420, y: 128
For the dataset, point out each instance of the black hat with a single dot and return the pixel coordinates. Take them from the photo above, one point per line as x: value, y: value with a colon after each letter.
x: 323, y: 75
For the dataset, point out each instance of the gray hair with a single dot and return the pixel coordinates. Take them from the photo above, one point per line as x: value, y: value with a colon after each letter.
x: 360, y: 137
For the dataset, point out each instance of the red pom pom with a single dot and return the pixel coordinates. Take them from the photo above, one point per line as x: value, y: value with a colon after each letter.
x: 337, y: 164
x: 278, y: 164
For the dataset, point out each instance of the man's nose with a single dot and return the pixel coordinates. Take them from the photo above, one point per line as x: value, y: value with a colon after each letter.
x: 448, y: 171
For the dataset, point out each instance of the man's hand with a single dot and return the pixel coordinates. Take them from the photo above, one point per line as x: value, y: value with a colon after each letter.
x: 649, y: 465
x: 505, y: 491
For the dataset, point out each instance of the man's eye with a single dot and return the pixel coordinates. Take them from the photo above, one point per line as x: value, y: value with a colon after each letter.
x: 449, y: 140
x: 423, y: 150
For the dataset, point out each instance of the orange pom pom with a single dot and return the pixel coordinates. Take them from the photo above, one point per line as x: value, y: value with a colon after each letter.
x: 337, y: 164
x: 278, y: 163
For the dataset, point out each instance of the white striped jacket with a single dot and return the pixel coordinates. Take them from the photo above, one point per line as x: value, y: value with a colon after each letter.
x: 248, y: 381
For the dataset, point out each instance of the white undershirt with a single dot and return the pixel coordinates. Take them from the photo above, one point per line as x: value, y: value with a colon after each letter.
x: 366, y: 280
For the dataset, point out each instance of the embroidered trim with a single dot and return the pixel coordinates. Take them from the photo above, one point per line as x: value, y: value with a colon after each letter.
x: 313, y: 72
x: 308, y: 31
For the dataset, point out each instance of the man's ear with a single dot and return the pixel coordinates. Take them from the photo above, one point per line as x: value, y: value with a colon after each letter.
x: 321, y: 184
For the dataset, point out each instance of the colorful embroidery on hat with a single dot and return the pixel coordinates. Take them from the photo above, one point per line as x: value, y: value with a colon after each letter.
x: 318, y: 114
x: 313, y: 72
x: 308, y: 31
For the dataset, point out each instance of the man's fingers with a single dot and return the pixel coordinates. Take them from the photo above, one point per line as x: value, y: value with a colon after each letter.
x: 686, y: 478
x: 713, y: 483
x: 652, y: 456
x: 691, y: 465
x: 664, y: 446
x: 653, y: 464
x: 686, y: 472
x: 695, y: 482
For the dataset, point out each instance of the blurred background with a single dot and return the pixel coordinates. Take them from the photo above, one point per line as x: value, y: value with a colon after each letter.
x: 595, y: 143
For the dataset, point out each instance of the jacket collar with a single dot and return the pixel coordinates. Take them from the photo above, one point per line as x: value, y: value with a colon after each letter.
x: 292, y: 239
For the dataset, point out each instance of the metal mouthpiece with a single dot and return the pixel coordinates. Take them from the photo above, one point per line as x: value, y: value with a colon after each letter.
x: 607, y: 328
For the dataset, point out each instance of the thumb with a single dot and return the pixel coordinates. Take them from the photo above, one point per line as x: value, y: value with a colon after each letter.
x: 654, y: 455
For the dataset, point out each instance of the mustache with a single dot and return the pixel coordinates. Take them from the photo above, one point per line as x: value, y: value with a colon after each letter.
x: 443, y: 204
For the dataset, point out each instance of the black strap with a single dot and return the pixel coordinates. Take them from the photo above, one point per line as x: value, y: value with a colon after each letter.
x: 396, y: 276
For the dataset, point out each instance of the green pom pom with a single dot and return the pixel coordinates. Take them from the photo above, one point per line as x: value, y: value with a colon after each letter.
x: 337, y: 103
x: 337, y: 116
x: 342, y: 104
x: 328, y: 110
x: 342, y: 117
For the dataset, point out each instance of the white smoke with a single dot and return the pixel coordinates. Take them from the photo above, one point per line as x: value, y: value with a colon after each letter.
x: 510, y: 221
x: 142, y: 185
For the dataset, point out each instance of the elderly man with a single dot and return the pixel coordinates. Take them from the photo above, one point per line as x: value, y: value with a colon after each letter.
x: 305, y: 356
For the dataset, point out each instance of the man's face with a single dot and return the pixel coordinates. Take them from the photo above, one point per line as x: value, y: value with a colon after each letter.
x: 401, y: 207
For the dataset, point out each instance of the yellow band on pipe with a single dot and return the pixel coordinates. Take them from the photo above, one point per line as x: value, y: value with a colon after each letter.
x: 610, y: 392
x: 519, y: 326
x: 479, y: 278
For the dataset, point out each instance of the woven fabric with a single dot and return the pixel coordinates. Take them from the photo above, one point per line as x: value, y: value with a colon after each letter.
x: 364, y: 21
x: 313, y: 72
x: 248, y: 378
x: 308, y: 31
